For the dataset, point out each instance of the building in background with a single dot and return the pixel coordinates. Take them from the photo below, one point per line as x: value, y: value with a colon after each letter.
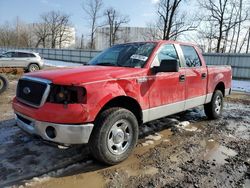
x: 124, y: 34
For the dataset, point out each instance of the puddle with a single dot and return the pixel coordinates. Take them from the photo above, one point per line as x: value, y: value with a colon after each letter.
x: 156, y: 138
x: 216, y: 152
x: 185, y: 125
x: 150, y: 170
x: 174, y: 158
x: 241, y: 129
x: 90, y: 179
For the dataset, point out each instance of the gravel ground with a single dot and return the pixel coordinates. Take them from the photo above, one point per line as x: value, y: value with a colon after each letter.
x: 183, y: 150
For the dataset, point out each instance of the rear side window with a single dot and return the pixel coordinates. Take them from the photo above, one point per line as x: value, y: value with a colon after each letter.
x: 31, y: 55
x: 22, y: 54
x: 191, y: 56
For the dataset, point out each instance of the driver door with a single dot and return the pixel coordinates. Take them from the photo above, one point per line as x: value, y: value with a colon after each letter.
x: 167, y: 89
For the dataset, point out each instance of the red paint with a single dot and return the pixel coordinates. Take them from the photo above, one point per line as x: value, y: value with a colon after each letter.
x: 104, y: 83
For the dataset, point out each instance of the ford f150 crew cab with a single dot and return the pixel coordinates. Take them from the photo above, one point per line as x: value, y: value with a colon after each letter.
x: 104, y: 102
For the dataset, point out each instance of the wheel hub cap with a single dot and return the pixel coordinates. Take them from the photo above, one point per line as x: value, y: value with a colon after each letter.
x: 119, y: 137
x: 218, y: 104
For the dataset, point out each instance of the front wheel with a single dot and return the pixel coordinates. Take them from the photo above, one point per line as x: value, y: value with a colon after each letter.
x: 114, y: 136
x: 213, y: 109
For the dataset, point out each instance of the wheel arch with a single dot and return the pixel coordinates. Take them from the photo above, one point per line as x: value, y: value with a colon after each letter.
x: 220, y: 86
x: 33, y: 63
x: 126, y: 102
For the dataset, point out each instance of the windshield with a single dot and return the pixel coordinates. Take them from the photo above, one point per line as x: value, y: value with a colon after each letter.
x: 125, y: 55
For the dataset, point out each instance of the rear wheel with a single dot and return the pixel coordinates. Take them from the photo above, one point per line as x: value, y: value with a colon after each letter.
x: 114, y: 136
x: 213, y: 109
x: 3, y: 83
x: 33, y: 67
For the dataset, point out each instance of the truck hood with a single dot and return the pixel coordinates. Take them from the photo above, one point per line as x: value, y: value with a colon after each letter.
x: 86, y: 74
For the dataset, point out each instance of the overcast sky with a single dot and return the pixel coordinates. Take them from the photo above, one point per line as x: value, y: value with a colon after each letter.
x: 140, y: 11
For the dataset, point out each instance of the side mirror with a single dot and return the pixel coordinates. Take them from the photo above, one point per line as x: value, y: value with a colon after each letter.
x: 167, y: 65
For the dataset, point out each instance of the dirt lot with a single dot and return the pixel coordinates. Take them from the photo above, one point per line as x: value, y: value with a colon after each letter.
x: 184, y: 150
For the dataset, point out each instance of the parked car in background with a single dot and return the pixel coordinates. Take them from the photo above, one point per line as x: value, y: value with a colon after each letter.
x: 30, y: 61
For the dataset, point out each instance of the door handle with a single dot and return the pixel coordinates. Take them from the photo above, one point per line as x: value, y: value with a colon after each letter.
x: 203, y: 75
x: 182, y: 78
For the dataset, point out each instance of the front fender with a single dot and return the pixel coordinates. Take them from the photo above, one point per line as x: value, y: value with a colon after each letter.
x: 99, y: 94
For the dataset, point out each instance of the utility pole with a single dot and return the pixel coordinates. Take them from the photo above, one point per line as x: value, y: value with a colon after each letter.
x: 82, y: 37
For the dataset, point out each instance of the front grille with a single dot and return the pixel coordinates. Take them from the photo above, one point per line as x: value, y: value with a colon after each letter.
x: 31, y: 91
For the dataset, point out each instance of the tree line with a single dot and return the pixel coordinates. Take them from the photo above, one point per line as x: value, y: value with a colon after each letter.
x: 52, y: 31
x: 221, y: 26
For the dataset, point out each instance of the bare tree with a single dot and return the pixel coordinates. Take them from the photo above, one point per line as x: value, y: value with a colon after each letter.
x: 239, y: 26
x: 225, y: 16
x: 7, y: 35
x: 152, y: 32
x: 248, y: 41
x: 54, y: 28
x: 15, y: 34
x: 206, y: 36
x: 243, y: 41
x: 172, y: 22
x: 114, y: 21
x: 217, y: 14
x: 92, y: 8
x: 227, y: 32
x: 42, y: 33
x: 64, y: 30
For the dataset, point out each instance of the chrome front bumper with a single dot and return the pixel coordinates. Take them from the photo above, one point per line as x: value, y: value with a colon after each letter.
x: 63, y: 133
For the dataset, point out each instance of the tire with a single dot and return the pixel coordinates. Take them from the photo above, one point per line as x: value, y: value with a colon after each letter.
x: 214, y: 109
x: 3, y: 83
x: 108, y: 142
x: 33, y: 67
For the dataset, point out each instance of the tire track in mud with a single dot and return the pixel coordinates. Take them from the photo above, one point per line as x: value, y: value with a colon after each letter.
x: 24, y: 157
x: 30, y: 157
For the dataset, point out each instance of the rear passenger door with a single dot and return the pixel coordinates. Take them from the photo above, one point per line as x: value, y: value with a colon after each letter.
x: 22, y: 59
x: 195, y: 77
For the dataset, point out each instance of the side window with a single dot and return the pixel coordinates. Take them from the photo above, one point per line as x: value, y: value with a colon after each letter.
x: 31, y: 55
x: 168, y: 52
x: 9, y: 54
x: 21, y: 54
x: 191, y: 56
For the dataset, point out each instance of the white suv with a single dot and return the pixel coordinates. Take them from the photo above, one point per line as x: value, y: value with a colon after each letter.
x: 30, y: 61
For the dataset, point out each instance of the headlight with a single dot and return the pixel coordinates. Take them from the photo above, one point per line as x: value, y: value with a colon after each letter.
x: 67, y: 94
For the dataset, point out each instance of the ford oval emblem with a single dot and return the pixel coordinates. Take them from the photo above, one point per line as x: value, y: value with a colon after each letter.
x: 26, y: 90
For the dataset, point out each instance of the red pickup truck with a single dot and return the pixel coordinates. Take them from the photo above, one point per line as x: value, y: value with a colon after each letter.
x: 104, y: 102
